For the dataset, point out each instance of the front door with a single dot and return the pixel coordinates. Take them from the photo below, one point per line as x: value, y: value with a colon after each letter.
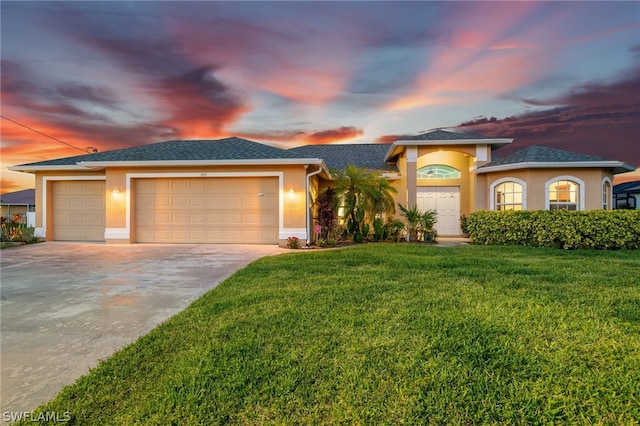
x: 446, y: 201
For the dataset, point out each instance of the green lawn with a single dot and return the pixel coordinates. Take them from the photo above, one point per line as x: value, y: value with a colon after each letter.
x: 388, y: 334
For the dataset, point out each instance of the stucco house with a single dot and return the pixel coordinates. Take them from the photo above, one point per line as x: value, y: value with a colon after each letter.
x: 238, y: 191
x: 19, y: 202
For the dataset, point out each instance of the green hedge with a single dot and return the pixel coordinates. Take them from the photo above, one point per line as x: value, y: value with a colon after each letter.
x: 595, y: 229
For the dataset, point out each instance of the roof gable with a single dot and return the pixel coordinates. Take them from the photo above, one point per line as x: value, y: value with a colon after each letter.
x: 444, y: 135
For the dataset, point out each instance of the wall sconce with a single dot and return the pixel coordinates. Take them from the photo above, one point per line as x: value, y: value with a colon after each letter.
x: 292, y: 193
x: 115, y: 192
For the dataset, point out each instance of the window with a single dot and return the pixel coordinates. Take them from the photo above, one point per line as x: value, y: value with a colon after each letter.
x: 606, y: 194
x: 563, y: 194
x: 508, y: 196
x: 438, y: 171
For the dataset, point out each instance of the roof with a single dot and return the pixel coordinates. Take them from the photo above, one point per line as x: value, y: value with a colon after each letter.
x: 227, y: 151
x: 368, y: 155
x: 24, y: 197
x: 444, y: 135
x: 181, y: 150
x: 632, y: 187
x: 536, y: 156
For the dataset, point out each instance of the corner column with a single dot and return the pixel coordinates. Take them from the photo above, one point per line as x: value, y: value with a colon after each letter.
x: 412, y: 175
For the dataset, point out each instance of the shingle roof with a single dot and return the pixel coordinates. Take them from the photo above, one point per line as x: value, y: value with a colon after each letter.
x: 443, y: 135
x: 542, y: 154
x: 338, y: 156
x: 182, y: 150
x: 26, y: 196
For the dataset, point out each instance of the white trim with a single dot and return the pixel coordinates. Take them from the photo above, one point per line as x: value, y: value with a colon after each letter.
x: 430, y: 142
x: 285, y: 233
x: 481, y: 152
x: 581, y: 188
x: 34, y: 168
x: 130, y: 176
x: 412, y: 154
x: 46, y: 179
x: 492, y: 191
x: 551, y: 165
x: 116, y: 234
x: 610, y: 200
x: 165, y: 163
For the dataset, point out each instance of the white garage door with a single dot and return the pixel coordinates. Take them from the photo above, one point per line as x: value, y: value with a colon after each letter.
x: 78, y: 210
x: 446, y: 201
x: 207, y: 210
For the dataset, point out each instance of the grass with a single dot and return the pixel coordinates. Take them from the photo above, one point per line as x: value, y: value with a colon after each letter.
x: 388, y: 334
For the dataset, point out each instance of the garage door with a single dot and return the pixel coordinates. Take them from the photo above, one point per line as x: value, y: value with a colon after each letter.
x: 207, y: 210
x: 78, y: 210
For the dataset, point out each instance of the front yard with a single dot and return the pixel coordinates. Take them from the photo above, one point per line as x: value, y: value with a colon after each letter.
x: 388, y: 334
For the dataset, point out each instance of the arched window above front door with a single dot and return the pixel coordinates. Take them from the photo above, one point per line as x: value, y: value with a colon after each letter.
x: 438, y: 171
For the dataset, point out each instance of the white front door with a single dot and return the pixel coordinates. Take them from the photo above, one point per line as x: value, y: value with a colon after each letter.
x: 446, y: 201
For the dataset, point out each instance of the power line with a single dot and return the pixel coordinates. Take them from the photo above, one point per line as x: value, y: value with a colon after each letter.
x: 89, y: 149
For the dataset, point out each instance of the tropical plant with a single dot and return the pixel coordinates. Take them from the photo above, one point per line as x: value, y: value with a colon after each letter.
x: 293, y: 243
x: 428, y: 221
x: 326, y: 218
x: 413, y: 216
x: 364, y: 194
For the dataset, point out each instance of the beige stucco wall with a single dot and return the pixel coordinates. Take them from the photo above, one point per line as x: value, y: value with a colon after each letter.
x: 536, y: 180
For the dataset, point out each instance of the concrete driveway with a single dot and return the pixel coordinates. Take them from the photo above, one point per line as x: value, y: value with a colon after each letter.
x: 64, y: 306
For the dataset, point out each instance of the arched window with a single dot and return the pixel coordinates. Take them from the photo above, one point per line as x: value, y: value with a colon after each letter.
x: 565, y: 192
x: 438, y: 171
x: 508, y: 194
x: 606, y: 194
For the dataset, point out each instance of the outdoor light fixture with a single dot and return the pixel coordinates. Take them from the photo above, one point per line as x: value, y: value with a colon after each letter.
x: 115, y: 192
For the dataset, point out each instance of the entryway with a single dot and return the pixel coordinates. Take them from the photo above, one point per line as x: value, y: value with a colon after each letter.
x: 446, y: 201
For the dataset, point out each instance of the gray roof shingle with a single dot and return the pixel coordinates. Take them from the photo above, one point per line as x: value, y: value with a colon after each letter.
x: 182, y: 150
x: 26, y: 196
x: 542, y: 154
x: 444, y: 135
x: 338, y: 156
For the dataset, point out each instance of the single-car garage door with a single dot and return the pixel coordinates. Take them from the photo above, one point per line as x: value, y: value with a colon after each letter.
x: 207, y: 210
x: 78, y: 210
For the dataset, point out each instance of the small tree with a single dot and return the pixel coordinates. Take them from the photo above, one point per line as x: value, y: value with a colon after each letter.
x: 326, y: 217
x: 413, y: 216
x: 365, y: 194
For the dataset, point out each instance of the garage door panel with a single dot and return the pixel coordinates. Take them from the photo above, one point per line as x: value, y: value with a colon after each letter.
x: 207, y: 210
x: 78, y: 210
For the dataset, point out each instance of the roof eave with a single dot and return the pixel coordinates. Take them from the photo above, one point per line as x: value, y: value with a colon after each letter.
x: 394, y: 148
x: 429, y: 142
x: 34, y: 168
x: 187, y: 163
x: 615, y: 166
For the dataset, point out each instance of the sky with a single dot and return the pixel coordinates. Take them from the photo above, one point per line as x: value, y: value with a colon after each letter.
x: 110, y: 75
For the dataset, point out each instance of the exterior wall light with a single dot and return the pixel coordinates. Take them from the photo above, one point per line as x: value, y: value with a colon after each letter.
x: 115, y: 192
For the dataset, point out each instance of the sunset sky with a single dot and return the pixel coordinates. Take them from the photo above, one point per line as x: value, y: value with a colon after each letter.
x: 118, y: 74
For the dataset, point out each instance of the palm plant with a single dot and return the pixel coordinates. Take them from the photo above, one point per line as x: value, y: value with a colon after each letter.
x: 364, y: 193
x: 413, y: 216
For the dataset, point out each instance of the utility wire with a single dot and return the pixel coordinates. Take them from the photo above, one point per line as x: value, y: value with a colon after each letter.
x: 89, y: 149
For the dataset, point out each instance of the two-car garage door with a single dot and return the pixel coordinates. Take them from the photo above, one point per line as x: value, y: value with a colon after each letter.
x: 206, y: 210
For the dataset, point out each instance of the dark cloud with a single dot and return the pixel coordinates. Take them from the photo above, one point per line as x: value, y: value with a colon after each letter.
x: 392, y: 138
x: 306, y: 137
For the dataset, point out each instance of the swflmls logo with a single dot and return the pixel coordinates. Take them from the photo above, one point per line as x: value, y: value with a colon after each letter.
x: 45, y: 416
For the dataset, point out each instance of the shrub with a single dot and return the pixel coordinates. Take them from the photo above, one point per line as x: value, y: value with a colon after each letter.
x: 596, y: 229
x: 293, y: 243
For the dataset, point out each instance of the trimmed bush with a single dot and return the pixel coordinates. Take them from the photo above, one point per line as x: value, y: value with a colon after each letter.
x: 595, y: 229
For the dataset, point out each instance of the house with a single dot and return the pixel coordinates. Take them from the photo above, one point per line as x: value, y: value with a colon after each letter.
x: 238, y: 191
x: 19, y: 202
x: 627, y: 195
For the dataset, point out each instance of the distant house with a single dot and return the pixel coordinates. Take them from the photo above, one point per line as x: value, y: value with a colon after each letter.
x: 627, y: 195
x: 238, y: 191
x: 22, y: 202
